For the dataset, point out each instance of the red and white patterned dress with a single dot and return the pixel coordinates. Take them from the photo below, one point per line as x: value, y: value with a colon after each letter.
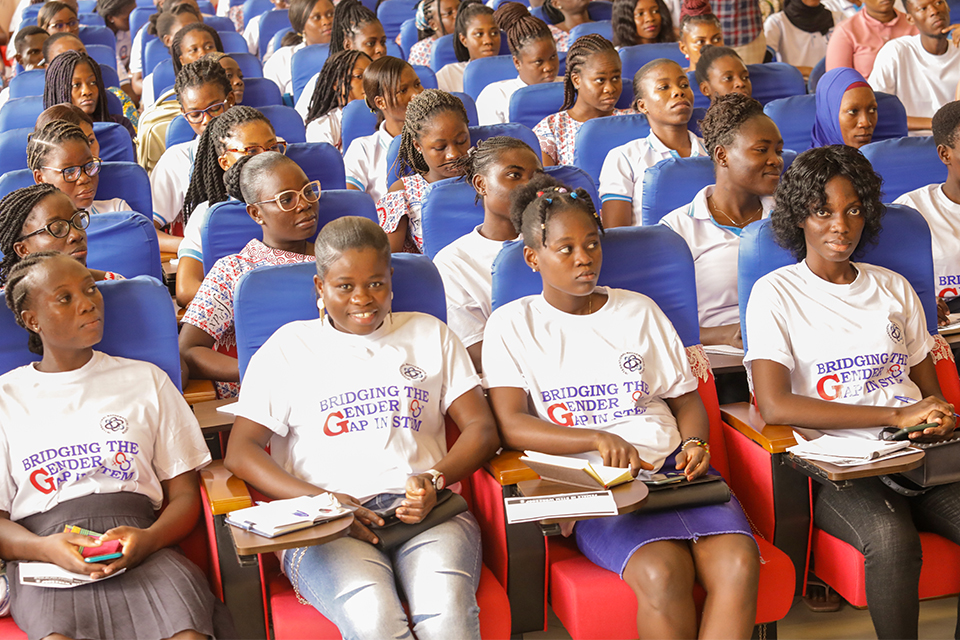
x: 393, y: 206
x: 561, y: 37
x: 558, y: 134
x: 212, y: 308
x: 420, y: 51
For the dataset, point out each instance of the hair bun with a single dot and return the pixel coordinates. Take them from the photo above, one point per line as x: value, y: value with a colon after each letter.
x: 695, y: 8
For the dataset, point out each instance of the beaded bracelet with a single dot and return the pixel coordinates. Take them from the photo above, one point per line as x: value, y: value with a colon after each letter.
x: 700, y: 442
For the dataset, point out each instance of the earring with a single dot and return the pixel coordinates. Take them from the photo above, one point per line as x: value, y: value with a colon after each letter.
x: 321, y: 308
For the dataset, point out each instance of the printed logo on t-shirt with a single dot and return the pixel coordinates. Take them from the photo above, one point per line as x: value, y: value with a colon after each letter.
x: 591, y: 404
x: 113, y: 423
x: 376, y: 407
x: 631, y: 363
x: 950, y: 286
x: 860, y: 375
x: 895, y: 332
x: 412, y: 372
x: 114, y: 459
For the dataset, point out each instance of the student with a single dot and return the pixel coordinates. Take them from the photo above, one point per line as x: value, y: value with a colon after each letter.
x: 855, y: 42
x: 352, y: 582
x: 846, y: 109
x: 534, y: 55
x: 241, y: 131
x: 827, y: 307
x: 698, y: 28
x: 58, y: 43
x: 434, y: 18
x: 43, y: 218
x: 573, y: 336
x: 564, y: 15
x: 75, y: 77
x: 58, y: 17
x: 283, y: 202
x: 747, y: 153
x: 494, y: 168
x: 74, y: 115
x: 922, y: 70
x: 434, y: 137
x: 664, y: 95
x: 169, y: 26
x: 29, y: 53
x: 233, y: 71
x: 193, y: 42
x: 389, y: 84
x: 340, y: 82
x: 312, y: 22
x: 798, y: 34
x: 591, y: 88
x: 251, y: 33
x: 116, y: 15
x: 721, y: 71
x: 60, y: 402
x: 641, y: 22
x: 476, y: 35
x: 165, y: 30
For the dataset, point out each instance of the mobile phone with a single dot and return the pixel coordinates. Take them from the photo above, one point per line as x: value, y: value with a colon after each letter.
x: 658, y: 479
x: 389, y: 511
x: 904, y: 433
x: 109, y: 550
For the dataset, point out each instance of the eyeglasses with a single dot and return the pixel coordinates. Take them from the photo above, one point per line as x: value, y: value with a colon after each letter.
x: 279, y: 147
x: 72, y: 174
x: 196, y: 117
x: 290, y: 200
x: 69, y: 24
x: 60, y: 228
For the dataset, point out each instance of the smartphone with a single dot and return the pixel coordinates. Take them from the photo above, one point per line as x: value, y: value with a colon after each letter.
x: 109, y: 550
x: 389, y: 511
x: 904, y: 433
x: 658, y: 479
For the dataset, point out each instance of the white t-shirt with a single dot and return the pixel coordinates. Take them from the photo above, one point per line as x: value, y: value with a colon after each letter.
x: 842, y: 9
x: 715, y: 250
x: 450, y: 78
x: 326, y: 128
x: 252, y: 34
x: 922, y: 81
x: 112, y: 425
x: 372, y: 417
x: 621, y: 177
x: 136, y: 52
x: 493, y: 103
x: 303, y: 102
x: 465, y: 267
x: 191, y: 245
x: 853, y: 343
x: 112, y: 206
x: 147, y: 98
x: 609, y: 370
x: 943, y: 216
x: 794, y: 45
x: 277, y: 68
x: 365, y: 162
x: 170, y: 179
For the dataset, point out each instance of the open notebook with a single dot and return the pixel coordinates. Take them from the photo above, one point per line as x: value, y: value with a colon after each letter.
x: 575, y: 471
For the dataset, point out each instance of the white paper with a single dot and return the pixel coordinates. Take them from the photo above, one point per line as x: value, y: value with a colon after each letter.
x: 45, y: 574
x: 564, y: 505
x: 846, y: 452
x: 230, y: 409
x: 953, y: 326
x: 723, y: 350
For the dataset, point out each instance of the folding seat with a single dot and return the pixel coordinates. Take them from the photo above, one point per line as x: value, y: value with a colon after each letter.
x: 154, y: 53
x: 13, y: 149
x: 391, y: 16
x: 91, y: 20
x: 409, y: 35
x: 219, y: 23
x: 253, y: 8
x: 20, y: 113
x: 529, y: 105
x: 106, y: 57
x: 98, y: 35
x: 164, y: 77
x: 320, y: 161
x: 249, y: 65
x: 124, y: 242
x: 905, y: 164
x: 233, y: 42
x: 286, y: 121
x: 272, y: 22
x: 428, y: 79
x: 483, y: 71
x: 305, y: 64
x: 115, y: 142
x: 261, y: 92
x: 277, y: 38
x: 357, y: 121
x: 635, y: 56
x: 815, y: 74
x: 139, y: 17
x: 600, y: 27
x: 178, y: 131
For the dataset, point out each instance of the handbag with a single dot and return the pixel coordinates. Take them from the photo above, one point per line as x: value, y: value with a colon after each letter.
x: 941, y: 463
x: 700, y: 492
x: 394, y: 532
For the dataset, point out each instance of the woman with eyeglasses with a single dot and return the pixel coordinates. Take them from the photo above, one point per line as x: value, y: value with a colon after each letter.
x: 283, y: 202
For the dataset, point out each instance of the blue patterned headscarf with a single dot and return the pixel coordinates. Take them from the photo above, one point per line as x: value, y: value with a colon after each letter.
x: 830, y: 90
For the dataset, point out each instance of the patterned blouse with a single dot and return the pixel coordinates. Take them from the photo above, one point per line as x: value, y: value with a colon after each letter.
x: 561, y: 37
x: 420, y: 51
x: 212, y: 307
x: 558, y: 134
x: 394, y: 205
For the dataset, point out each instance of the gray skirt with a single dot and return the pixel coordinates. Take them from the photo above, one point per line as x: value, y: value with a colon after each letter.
x: 162, y: 596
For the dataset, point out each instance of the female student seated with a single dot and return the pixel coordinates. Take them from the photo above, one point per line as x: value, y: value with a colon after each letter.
x: 591, y: 88
x: 698, y: 28
x: 434, y: 138
x: 476, y: 35
x: 116, y: 17
x: 312, y: 22
x: 641, y: 22
x: 573, y: 336
x: 663, y: 94
x: 798, y: 34
x: 434, y: 18
x: 58, y: 17
x: 534, y: 55
x: 350, y: 581
x: 389, y: 84
x: 494, y: 168
x: 75, y: 77
x: 233, y: 71
x: 564, y: 15
x: 284, y: 203
x: 846, y: 110
x: 169, y: 27
x: 827, y: 308
x: 64, y: 404
x: 74, y: 115
x: 303, y: 14
x: 164, y: 29
x: 720, y: 71
x: 340, y: 81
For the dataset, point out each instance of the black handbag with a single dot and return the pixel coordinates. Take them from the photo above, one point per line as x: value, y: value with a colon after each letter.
x: 394, y: 532
x: 941, y: 463
x: 700, y: 492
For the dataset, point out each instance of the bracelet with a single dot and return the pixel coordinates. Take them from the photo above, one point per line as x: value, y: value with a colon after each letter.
x: 700, y: 442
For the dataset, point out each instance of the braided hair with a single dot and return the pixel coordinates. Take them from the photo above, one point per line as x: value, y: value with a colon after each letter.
x: 724, y: 119
x: 15, y: 208
x: 59, y: 80
x: 244, y: 178
x: 50, y: 9
x: 552, y: 13
x: 515, y: 20
x: 532, y: 206
x: 198, y: 73
x: 382, y: 79
x: 480, y: 158
x: 348, y: 18
x: 332, y: 90
x: 469, y: 9
x: 299, y: 13
x: 577, y: 56
x: 420, y: 112
x: 625, y: 27
x: 178, y: 41
x: 17, y: 292
x: 112, y: 8
x: 50, y: 136
x: 206, y: 182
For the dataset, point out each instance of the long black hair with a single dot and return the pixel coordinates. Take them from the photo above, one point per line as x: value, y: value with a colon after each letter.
x: 59, y: 81
x: 332, y: 90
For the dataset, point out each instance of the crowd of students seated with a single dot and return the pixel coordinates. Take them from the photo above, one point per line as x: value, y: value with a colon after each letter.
x: 179, y: 97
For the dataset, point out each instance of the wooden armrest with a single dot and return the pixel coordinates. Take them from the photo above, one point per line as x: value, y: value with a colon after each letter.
x: 225, y: 491
x: 507, y: 469
x: 745, y: 418
x: 199, y: 391
x: 211, y: 420
x: 167, y: 256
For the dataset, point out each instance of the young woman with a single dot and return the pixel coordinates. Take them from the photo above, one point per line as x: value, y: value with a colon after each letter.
x: 58, y: 17
x: 494, y: 168
x: 389, y: 84
x: 74, y: 115
x: 721, y: 71
x: 193, y: 42
x: 829, y: 308
x: 573, y: 337
x: 241, y: 131
x: 698, y: 27
x: 434, y: 137
x: 153, y: 27
x: 75, y: 77
x: 846, y: 109
x: 284, y: 203
x: 664, y: 95
x: 534, y: 55
x: 564, y: 15
x: 350, y: 581
x: 476, y: 35
x: 434, y: 18
x: 65, y: 401
x: 591, y: 88
x: 340, y: 81
x: 747, y: 152
x: 641, y: 22
x: 798, y: 34
x: 312, y: 22
x: 168, y: 25
x: 233, y: 71
x: 116, y: 16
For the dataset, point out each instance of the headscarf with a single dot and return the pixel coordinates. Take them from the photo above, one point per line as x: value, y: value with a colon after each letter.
x: 816, y: 19
x: 830, y: 90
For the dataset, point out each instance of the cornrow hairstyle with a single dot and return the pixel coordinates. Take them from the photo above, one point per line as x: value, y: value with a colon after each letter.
x: 430, y: 10
x: 346, y: 233
x: 59, y: 80
x: 469, y: 9
x: 480, y: 158
x: 50, y: 9
x: 420, y: 112
x: 532, y: 206
x: 244, y: 178
x: 200, y: 72
x: 112, y: 8
x: 709, y: 54
x: 724, y: 119
x: 15, y: 208
x: 65, y: 112
x: 552, y: 13
x: 382, y: 78
x: 49, y: 137
x: 945, y: 123
x: 22, y: 34
x: 521, y: 28
x: 17, y: 292
x: 348, y: 18
x: 332, y: 90
x: 625, y: 27
x: 178, y: 41
x: 206, y: 182
x: 299, y: 12
x: 577, y: 56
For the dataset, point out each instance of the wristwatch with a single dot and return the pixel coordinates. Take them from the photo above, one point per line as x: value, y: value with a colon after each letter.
x: 437, y: 478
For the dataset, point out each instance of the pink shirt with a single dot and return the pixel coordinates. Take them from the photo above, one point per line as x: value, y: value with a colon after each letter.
x: 855, y: 42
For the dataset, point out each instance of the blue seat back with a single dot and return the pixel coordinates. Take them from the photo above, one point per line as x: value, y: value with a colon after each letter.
x: 248, y: 64
x: 270, y: 297
x: 253, y: 8
x: 471, y: 107
x: 86, y: 6
x: 139, y: 17
x: 903, y: 246
x: 905, y: 164
x: 163, y: 77
x: 105, y: 57
x: 27, y: 83
x: 30, y: 14
x: 600, y: 27
x: 443, y: 52
x: 277, y: 40
x: 635, y: 56
x: 428, y: 79
x: 392, y: 14
x: 286, y: 122
x: 98, y: 35
x: 20, y: 113
x: 483, y: 71
x: 357, y: 121
x: 91, y: 20
x: 153, y: 54
x: 776, y: 80
x: 129, y: 181
x: 219, y: 23
x: 305, y: 64
x: 13, y: 180
x: 815, y: 74
x: 115, y: 142
x: 114, y: 106
x: 394, y: 50
x: 233, y: 42
x: 178, y: 131
x: 271, y: 22
x: 529, y: 105
x: 124, y: 242
x: 409, y: 35
x: 320, y: 161
x: 261, y: 92
x: 13, y: 149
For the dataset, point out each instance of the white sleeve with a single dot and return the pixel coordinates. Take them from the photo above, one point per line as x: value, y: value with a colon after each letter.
x: 8, y: 488
x: 252, y: 35
x: 303, y: 102
x: 277, y: 68
x: 179, y: 445
x: 500, y: 368
x: 768, y: 337
x: 459, y: 376
x: 464, y: 315
x: 487, y: 103
x: 147, y: 98
x: 617, y: 180
x: 136, y: 61
x: 356, y: 164
x: 191, y: 246
x: 167, y: 199
x: 773, y: 32
x: 673, y: 377
x: 919, y: 342
x: 884, y: 74
x: 263, y: 396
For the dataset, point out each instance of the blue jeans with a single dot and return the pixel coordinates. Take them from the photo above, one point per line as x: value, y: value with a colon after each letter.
x: 358, y: 587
